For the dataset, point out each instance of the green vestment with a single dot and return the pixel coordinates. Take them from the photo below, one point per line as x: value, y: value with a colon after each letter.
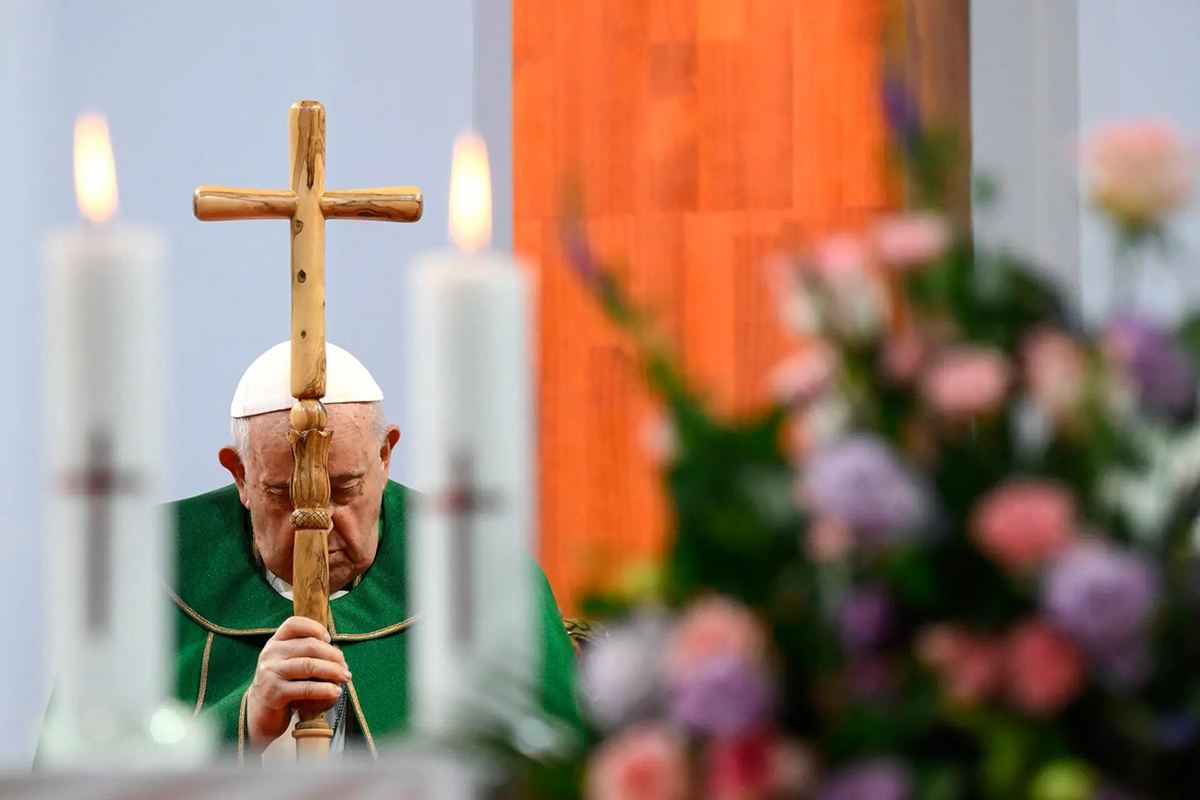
x: 227, y: 611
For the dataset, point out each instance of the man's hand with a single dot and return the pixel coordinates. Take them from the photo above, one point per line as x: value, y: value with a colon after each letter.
x: 298, y: 663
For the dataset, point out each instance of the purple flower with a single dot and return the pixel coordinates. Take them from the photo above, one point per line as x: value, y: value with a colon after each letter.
x: 578, y: 251
x: 876, y: 779
x: 900, y: 109
x: 723, y: 697
x: 860, y: 482
x: 1103, y: 597
x: 620, y: 674
x: 866, y: 619
x: 1159, y: 369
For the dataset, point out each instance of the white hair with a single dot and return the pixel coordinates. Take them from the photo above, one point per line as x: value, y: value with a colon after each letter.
x: 239, y: 428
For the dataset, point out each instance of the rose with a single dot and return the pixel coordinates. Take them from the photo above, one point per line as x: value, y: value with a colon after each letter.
x: 803, y: 376
x: 645, y: 763
x: 1022, y: 524
x: 852, y: 299
x: 713, y: 628
x: 1137, y: 172
x: 1045, y: 670
x: 970, y: 666
x: 760, y: 765
x: 910, y: 239
x: 1055, y: 372
x: 966, y: 382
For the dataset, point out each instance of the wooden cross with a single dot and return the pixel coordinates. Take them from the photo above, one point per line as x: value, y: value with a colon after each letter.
x: 462, y: 501
x: 99, y: 481
x: 307, y: 204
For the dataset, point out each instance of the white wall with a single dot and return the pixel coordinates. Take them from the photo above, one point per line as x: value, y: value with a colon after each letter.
x: 1025, y: 116
x: 198, y: 93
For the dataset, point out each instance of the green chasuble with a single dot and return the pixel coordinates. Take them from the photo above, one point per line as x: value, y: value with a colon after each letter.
x: 227, y: 611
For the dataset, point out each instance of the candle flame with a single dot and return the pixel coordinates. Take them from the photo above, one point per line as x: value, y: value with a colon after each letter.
x: 470, y: 194
x: 95, y: 170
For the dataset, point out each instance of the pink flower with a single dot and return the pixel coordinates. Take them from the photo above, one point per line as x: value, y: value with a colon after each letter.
x: 646, y: 763
x: 966, y: 382
x: 1055, y: 373
x: 1024, y: 523
x: 759, y: 766
x: 801, y: 377
x: 1045, y: 670
x: 797, y: 312
x: 829, y: 541
x: 903, y: 357
x: 970, y: 666
x: 839, y: 258
x: 742, y: 768
x: 911, y: 239
x: 1137, y: 172
x: 850, y: 299
x: 714, y: 628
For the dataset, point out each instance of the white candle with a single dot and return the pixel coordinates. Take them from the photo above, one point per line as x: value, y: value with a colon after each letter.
x: 471, y: 570
x: 107, y: 540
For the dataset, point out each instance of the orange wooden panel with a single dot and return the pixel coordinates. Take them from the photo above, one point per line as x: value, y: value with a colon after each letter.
x: 706, y: 134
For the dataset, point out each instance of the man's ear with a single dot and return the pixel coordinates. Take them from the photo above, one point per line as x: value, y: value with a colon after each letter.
x: 389, y: 444
x: 231, y: 461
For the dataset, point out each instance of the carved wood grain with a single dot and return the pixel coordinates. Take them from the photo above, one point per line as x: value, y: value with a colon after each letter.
x: 306, y: 140
x: 390, y: 204
x: 310, y: 557
x: 222, y: 203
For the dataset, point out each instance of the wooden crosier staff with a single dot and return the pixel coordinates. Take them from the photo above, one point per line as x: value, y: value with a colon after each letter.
x: 308, y: 205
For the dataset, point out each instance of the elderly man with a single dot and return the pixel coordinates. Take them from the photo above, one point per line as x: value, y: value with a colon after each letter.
x: 242, y: 657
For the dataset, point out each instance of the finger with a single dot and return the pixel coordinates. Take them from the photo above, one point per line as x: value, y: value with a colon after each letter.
x: 296, y: 668
x: 300, y: 627
x: 304, y: 648
x: 284, y: 692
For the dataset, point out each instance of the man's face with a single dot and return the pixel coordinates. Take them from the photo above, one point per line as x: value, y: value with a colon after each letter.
x: 358, y: 468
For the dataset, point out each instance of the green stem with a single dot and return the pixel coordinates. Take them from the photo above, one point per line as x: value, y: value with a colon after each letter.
x: 1126, y: 271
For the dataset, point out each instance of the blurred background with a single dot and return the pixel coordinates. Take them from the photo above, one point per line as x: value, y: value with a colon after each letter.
x: 704, y: 134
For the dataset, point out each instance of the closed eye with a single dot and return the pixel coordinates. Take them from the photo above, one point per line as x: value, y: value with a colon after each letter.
x: 346, y: 492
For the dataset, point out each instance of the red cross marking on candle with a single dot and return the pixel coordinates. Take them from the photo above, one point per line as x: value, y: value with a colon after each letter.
x: 463, y: 501
x: 99, y: 481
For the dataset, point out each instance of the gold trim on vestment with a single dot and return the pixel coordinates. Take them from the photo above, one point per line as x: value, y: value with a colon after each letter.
x: 358, y: 712
x: 362, y: 719
x: 242, y: 726
x: 362, y: 637
x: 203, y: 674
x: 342, y: 637
x: 211, y: 626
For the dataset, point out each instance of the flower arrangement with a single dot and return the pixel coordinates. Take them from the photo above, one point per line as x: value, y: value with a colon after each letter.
x: 956, y: 557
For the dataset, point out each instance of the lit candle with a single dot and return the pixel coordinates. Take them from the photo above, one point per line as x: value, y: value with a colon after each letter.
x: 107, y: 539
x: 471, y: 571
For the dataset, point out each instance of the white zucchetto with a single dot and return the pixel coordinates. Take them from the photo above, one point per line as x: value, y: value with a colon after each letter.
x: 266, y: 384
